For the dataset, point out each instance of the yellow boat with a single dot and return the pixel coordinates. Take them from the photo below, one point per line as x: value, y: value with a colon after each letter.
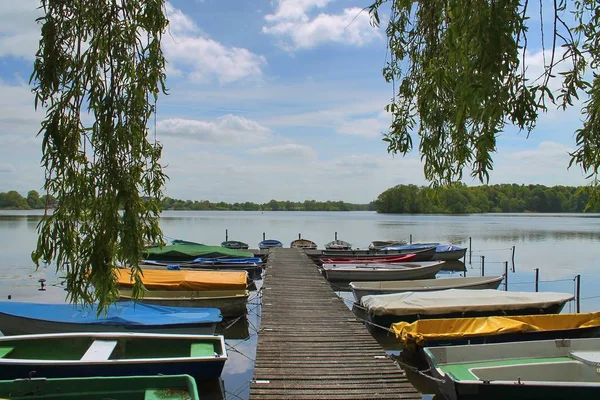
x: 186, y: 280
x: 225, y: 290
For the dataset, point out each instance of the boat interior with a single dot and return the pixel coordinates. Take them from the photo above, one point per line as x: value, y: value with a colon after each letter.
x: 97, y: 348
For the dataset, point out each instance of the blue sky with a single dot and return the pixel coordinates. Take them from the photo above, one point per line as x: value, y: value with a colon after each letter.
x: 269, y: 99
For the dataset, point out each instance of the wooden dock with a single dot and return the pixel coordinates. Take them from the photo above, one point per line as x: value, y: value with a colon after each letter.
x: 311, y: 346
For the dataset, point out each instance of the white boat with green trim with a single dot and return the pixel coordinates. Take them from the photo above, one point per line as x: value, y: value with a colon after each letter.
x: 545, y: 369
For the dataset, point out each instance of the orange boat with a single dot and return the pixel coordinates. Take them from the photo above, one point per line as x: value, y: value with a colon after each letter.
x: 186, y: 280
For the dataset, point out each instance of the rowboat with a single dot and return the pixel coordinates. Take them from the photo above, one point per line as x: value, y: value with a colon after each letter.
x: 360, y: 289
x: 234, y: 244
x: 269, y: 243
x: 112, y: 354
x: 25, y: 318
x: 187, y: 251
x: 253, y: 269
x: 231, y: 303
x: 545, y: 369
x: 370, y: 260
x: 425, y: 254
x: 379, y: 272
x: 386, y: 309
x: 338, y: 245
x: 303, y: 244
x: 164, y: 387
x: 380, y: 244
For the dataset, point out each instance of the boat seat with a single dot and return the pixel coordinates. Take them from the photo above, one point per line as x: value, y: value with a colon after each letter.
x: 589, y: 357
x: 100, y: 350
x: 160, y: 394
x: 5, y: 350
x: 202, y: 350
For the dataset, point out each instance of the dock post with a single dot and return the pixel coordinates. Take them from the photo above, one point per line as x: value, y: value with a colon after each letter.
x: 470, y: 251
x: 299, y: 236
x: 410, y: 240
x: 513, y: 258
x: 506, y: 276
x: 226, y: 235
x: 482, y: 265
x: 578, y: 293
x: 537, y: 279
x: 263, y: 236
x: 336, y: 236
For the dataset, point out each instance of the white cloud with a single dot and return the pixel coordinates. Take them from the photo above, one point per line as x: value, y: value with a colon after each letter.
x: 287, y: 151
x: 17, y: 115
x: 205, y: 58
x: 19, y: 33
x: 227, y: 129
x: 7, y: 167
x: 291, y: 23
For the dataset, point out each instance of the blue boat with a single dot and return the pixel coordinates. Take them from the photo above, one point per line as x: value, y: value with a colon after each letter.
x: 86, y: 354
x: 29, y: 318
x: 269, y: 243
x: 247, y: 260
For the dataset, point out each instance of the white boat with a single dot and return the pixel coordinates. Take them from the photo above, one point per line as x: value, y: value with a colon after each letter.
x: 385, y: 309
x: 545, y: 369
x: 338, y: 245
x: 360, y: 289
x: 381, y: 272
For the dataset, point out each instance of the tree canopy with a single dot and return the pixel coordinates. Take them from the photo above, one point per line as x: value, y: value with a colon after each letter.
x: 458, y: 70
x: 98, y: 72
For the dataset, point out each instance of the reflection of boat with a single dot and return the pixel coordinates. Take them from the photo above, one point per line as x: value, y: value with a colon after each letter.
x: 26, y: 318
x: 545, y: 369
x: 360, y: 289
x: 381, y: 272
x: 303, y: 244
x: 269, y: 243
x: 232, y: 303
x: 385, y: 309
x: 380, y: 244
x: 167, y: 387
x: 454, y: 266
x: 116, y: 354
x: 237, y: 329
x: 234, y: 244
x: 338, y: 245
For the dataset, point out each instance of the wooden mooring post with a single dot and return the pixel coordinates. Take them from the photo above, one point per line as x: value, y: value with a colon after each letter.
x: 470, y: 250
x: 578, y: 293
x: 513, y: 258
x: 226, y: 235
x: 482, y: 265
x: 264, y: 236
x: 336, y: 236
x: 537, y: 279
x: 506, y: 276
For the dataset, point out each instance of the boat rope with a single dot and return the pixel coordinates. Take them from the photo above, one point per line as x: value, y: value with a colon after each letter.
x: 232, y: 348
x: 425, y: 373
x: 237, y: 393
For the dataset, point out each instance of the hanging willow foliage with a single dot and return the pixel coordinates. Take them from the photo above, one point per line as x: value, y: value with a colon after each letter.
x: 98, y: 72
x: 459, y: 74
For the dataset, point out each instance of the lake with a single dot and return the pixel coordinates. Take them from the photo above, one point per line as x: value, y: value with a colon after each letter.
x: 560, y: 245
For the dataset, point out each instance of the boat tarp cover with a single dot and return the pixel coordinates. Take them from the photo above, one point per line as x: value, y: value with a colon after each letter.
x: 183, y: 252
x: 120, y: 313
x: 155, y: 279
x: 417, y: 333
x: 458, y: 300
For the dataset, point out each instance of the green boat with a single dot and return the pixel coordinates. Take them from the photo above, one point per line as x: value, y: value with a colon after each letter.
x: 173, y: 387
x: 190, y: 251
x: 545, y: 369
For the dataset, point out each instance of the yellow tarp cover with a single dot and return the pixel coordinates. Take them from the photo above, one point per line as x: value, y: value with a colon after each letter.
x: 186, y: 280
x: 417, y: 333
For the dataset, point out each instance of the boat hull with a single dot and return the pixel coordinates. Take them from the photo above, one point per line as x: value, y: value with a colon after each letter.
x: 358, y: 290
x: 420, y: 255
x: 232, y: 303
x: 453, y: 255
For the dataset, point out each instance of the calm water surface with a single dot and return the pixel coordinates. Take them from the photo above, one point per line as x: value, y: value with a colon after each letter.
x: 560, y: 245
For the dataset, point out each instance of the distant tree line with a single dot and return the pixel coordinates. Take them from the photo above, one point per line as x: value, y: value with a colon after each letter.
x: 13, y: 200
x: 272, y: 205
x: 461, y: 199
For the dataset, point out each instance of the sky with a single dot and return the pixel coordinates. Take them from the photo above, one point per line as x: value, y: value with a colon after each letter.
x: 279, y: 99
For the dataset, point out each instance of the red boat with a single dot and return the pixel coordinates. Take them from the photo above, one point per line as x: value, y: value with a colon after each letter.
x: 367, y: 260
